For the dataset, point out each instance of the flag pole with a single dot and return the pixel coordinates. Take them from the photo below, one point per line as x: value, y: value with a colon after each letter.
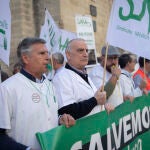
x: 104, y: 72
x: 52, y: 63
x: 144, y: 70
x: 0, y: 73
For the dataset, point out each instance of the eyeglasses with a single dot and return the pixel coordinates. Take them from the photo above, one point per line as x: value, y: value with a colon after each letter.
x: 81, y: 50
x: 112, y: 57
x: 134, y: 61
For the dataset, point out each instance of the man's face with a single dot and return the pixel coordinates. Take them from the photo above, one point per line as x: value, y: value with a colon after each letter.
x: 37, y: 59
x: 147, y: 66
x: 111, y: 61
x: 131, y: 65
x: 78, y: 55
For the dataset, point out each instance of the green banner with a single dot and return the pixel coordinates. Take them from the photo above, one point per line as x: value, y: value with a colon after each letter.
x: 125, y: 128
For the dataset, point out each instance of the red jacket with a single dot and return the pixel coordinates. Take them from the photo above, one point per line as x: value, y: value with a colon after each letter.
x: 141, y: 73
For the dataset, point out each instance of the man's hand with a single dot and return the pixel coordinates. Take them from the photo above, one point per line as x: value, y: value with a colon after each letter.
x: 67, y: 120
x: 116, y: 71
x: 128, y: 97
x: 143, y: 84
x: 109, y: 107
x: 145, y: 92
x: 100, y: 96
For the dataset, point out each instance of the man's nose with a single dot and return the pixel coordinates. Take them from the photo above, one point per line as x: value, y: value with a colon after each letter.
x: 85, y: 52
x: 47, y: 56
x: 113, y: 60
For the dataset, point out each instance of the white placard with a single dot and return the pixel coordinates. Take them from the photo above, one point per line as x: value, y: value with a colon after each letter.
x: 84, y: 28
x: 5, y: 31
x: 129, y: 26
x: 56, y: 39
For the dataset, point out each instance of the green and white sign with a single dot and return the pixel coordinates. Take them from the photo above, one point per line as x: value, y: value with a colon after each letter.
x: 84, y: 27
x: 5, y: 31
x: 56, y: 39
x: 127, y: 127
x: 129, y: 26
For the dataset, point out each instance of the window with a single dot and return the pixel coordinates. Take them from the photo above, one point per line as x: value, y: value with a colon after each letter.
x: 93, y: 11
x: 94, y: 25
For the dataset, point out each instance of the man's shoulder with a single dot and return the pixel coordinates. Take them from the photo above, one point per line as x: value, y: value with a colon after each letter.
x: 63, y: 74
x: 124, y: 74
x: 13, y: 81
x: 13, y: 78
x: 65, y: 71
x: 97, y: 70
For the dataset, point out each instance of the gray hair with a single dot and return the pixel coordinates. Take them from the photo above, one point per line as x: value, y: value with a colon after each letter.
x: 69, y: 45
x: 58, y: 57
x: 25, y: 46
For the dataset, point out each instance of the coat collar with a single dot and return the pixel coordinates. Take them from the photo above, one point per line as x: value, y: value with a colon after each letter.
x: 31, y: 77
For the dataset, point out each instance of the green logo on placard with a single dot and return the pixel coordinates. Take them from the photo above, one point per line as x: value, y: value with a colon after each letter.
x: 62, y: 46
x: 51, y: 33
x: 133, y: 16
x: 84, y: 21
x: 3, y: 40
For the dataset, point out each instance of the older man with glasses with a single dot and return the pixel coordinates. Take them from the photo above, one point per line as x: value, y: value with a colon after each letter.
x: 75, y: 91
x: 111, y: 83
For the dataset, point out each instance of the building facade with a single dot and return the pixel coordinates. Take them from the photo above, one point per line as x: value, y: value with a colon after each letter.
x: 27, y: 16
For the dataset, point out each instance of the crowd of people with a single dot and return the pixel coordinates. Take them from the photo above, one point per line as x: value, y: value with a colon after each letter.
x: 31, y: 102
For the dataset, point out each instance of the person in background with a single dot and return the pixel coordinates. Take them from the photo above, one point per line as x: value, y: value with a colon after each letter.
x: 127, y: 64
x: 17, y: 67
x: 58, y: 61
x: 75, y: 91
x: 27, y: 100
x: 139, y: 75
x: 111, y: 83
x: 4, y: 75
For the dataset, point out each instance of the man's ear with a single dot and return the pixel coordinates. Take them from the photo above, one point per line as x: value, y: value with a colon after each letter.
x: 54, y: 62
x: 25, y: 59
x: 68, y: 55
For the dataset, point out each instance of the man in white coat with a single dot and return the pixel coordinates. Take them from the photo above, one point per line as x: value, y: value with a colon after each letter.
x: 112, y: 85
x: 57, y: 63
x: 75, y: 91
x: 127, y: 63
x: 27, y: 102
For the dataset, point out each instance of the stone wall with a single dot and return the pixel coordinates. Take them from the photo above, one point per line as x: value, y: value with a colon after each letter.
x: 28, y: 16
x: 82, y: 7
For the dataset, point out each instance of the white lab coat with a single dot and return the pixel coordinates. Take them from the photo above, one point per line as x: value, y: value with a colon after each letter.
x: 71, y: 88
x: 26, y: 108
x: 127, y: 84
